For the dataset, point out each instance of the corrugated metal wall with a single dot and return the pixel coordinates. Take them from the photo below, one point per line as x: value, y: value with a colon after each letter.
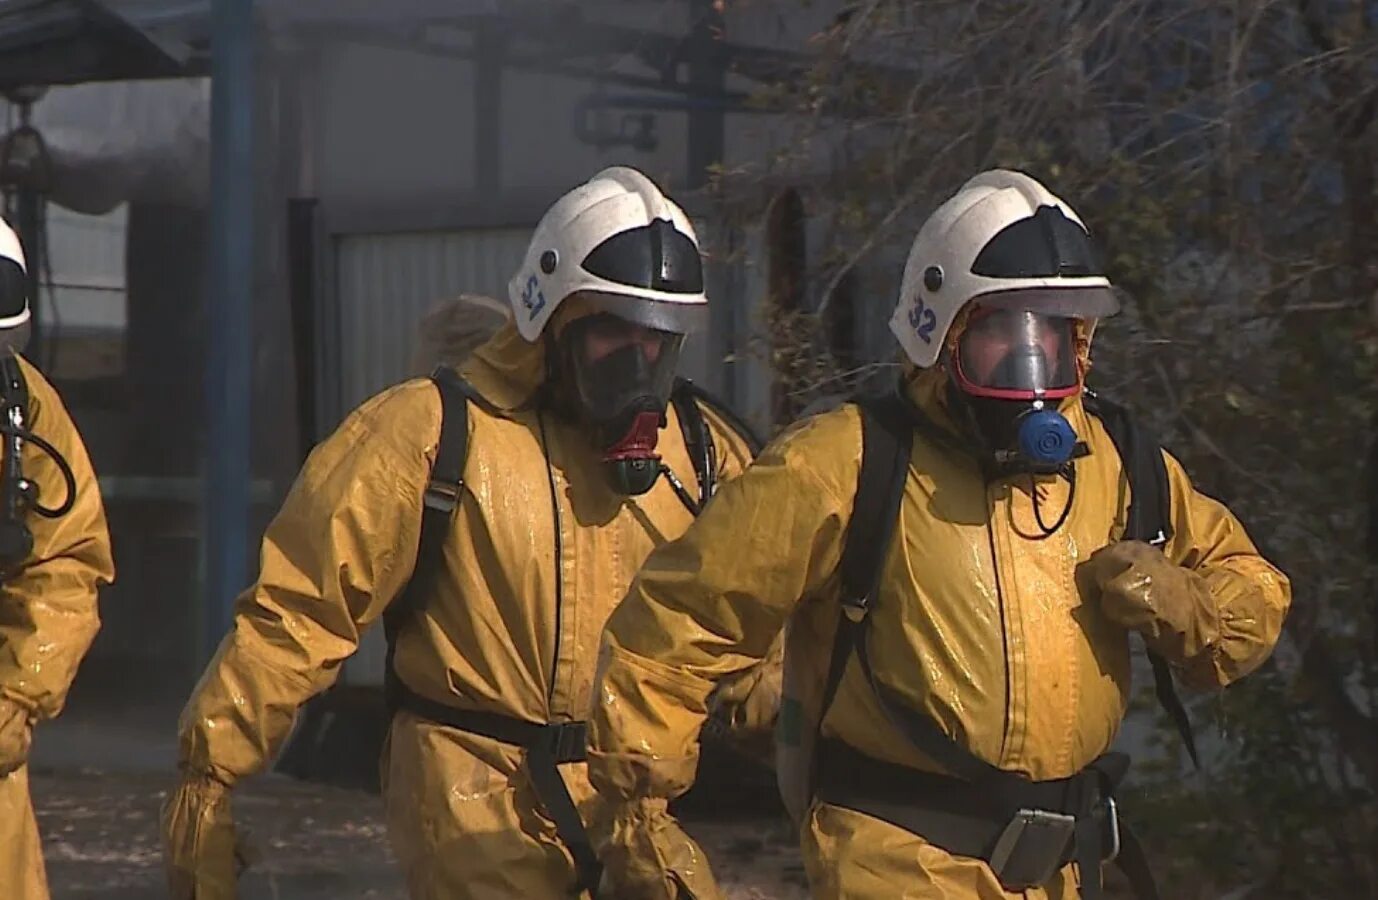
x: 83, y: 311
x: 87, y: 254
x: 387, y: 282
x: 87, y: 261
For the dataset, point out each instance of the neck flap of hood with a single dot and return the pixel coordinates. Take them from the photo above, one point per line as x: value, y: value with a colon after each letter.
x: 507, y: 370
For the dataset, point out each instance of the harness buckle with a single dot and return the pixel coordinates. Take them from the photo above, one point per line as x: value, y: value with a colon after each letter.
x: 856, y: 608
x: 566, y: 741
x: 1032, y: 848
x: 442, y: 496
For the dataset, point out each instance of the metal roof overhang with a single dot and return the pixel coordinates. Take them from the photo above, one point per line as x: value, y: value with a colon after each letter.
x: 54, y: 42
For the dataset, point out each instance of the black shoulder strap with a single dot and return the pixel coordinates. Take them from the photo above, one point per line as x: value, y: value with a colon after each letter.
x: 887, y: 440
x: 15, y: 388
x: 689, y: 400
x: 16, y: 539
x: 734, y: 421
x: 887, y: 435
x: 1148, y: 519
x: 442, y: 496
x: 698, y: 441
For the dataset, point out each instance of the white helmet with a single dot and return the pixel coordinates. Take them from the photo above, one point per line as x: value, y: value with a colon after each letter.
x: 1005, y: 239
x: 621, y: 242
x: 14, y: 280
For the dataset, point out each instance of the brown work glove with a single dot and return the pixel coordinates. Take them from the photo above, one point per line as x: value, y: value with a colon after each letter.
x: 1144, y: 591
x: 647, y: 856
x: 16, y: 735
x: 743, y: 709
x: 204, y: 856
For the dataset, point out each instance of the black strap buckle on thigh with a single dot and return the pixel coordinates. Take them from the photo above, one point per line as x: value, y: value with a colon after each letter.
x: 547, y: 747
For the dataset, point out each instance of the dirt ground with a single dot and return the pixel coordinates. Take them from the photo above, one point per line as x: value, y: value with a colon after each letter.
x: 101, y: 771
x: 100, y: 834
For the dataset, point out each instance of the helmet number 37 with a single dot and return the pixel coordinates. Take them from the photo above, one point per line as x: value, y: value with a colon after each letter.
x: 533, y: 298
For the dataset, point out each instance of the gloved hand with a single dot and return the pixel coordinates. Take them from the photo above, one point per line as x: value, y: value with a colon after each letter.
x: 647, y: 856
x: 1144, y: 591
x: 16, y: 734
x: 743, y: 709
x: 203, y: 853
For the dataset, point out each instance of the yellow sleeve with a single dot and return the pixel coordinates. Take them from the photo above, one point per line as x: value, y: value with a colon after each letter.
x: 340, y: 549
x: 48, y: 614
x: 712, y: 603
x: 1250, y: 596
x: 743, y: 707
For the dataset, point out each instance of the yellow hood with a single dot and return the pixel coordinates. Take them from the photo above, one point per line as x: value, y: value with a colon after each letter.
x: 508, y: 370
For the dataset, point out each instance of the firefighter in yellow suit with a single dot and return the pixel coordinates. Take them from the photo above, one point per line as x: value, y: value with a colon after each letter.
x: 54, y: 553
x: 1005, y: 601
x: 576, y: 468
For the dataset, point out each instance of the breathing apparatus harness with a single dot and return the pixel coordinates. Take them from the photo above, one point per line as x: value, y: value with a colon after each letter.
x: 18, y: 494
x: 548, y: 744
x: 1024, y: 830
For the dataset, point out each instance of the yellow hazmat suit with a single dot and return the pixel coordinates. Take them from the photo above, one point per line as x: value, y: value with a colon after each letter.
x: 539, y: 552
x: 48, y: 619
x: 1018, y: 647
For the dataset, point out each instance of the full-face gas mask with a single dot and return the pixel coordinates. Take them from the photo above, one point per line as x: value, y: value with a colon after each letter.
x: 615, y: 376
x: 1010, y: 369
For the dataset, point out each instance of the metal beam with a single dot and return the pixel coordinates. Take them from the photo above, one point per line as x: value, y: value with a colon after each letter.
x: 228, y: 382
x: 707, y: 75
x: 488, y: 65
x: 156, y: 40
x: 706, y: 145
x: 558, y: 38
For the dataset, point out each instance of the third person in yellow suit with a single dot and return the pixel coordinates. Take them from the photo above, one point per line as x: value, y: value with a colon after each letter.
x: 535, y: 481
x: 949, y: 703
x: 54, y: 556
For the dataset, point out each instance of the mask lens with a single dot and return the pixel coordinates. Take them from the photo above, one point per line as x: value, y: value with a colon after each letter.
x: 1018, y: 355
x: 607, y: 335
x: 621, y: 367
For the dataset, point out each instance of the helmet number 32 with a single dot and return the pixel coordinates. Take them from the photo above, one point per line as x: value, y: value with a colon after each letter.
x: 532, y: 298
x: 922, y: 320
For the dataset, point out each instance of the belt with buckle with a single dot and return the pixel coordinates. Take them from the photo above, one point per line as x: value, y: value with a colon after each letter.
x: 1025, y: 831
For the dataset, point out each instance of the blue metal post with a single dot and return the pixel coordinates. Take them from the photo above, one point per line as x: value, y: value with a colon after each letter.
x: 231, y: 267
